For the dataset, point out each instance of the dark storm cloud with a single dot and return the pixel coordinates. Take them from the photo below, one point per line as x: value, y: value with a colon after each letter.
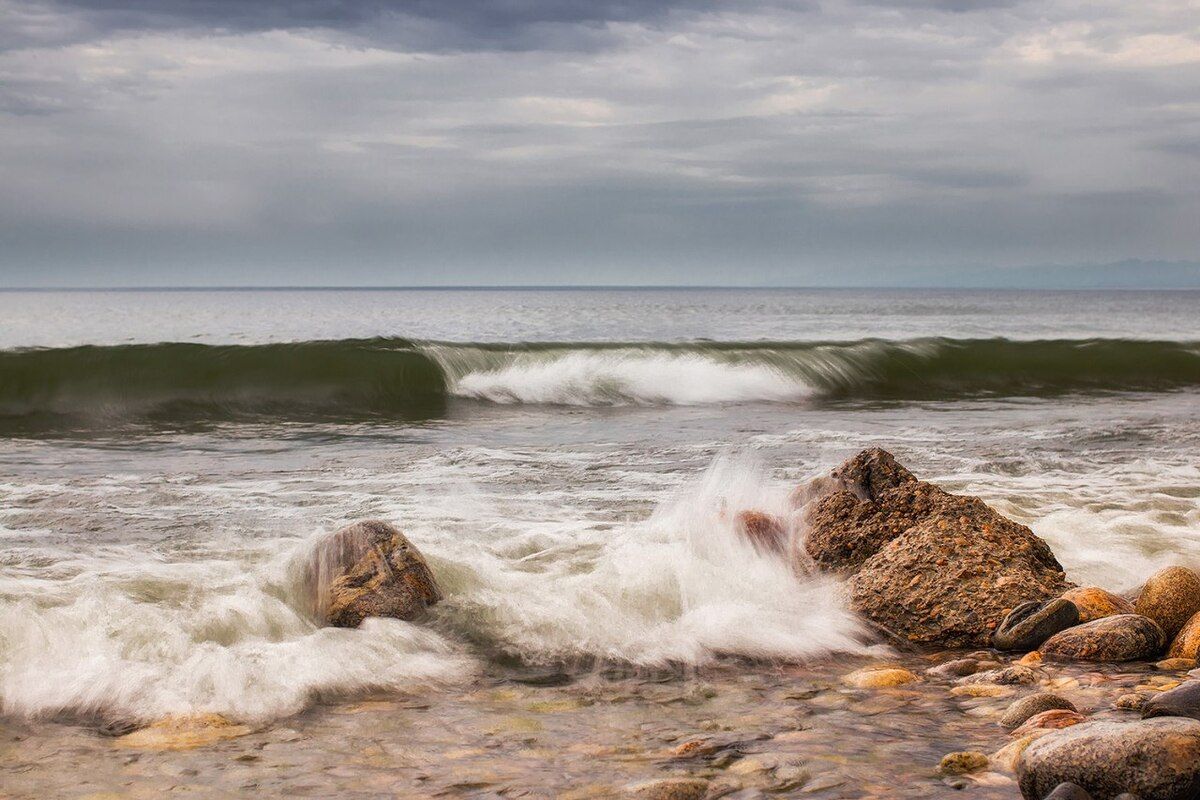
x: 426, y: 24
x: 561, y: 141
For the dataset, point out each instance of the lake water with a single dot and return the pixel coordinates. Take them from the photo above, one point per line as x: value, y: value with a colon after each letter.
x: 568, y: 461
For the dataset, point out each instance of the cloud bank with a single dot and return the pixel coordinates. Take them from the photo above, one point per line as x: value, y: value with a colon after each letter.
x: 590, y: 141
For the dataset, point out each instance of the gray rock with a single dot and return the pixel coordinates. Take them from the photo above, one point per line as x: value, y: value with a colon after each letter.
x: 1012, y: 675
x: 1182, y: 701
x: 1124, y: 637
x: 1026, y: 707
x: 1030, y: 624
x: 1155, y: 759
x: 960, y: 667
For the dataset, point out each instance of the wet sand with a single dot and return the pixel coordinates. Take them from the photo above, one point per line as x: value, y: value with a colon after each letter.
x: 788, y: 731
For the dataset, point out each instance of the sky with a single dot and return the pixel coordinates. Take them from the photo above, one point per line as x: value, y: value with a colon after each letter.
x: 747, y: 142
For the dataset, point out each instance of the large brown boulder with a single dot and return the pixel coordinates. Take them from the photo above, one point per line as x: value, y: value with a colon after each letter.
x: 927, y: 566
x: 861, y: 506
x: 1156, y: 759
x: 370, y: 569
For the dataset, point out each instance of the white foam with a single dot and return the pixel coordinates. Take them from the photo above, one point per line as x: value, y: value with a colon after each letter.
x: 197, y: 639
x: 630, y: 377
x: 133, y: 635
x: 681, y: 586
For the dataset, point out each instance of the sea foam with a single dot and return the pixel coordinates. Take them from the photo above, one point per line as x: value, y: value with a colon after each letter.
x: 605, y: 377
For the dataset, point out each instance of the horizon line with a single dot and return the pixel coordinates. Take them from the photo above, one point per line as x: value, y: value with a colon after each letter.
x: 583, y: 287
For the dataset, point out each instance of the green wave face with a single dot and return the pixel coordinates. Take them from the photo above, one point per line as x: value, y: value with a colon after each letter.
x: 181, y: 382
x: 401, y: 379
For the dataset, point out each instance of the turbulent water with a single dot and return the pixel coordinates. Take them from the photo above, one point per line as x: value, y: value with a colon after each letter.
x: 570, y: 462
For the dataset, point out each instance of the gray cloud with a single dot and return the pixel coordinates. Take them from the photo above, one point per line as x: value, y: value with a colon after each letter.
x: 481, y: 142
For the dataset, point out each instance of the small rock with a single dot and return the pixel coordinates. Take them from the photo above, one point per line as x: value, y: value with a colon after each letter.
x: 1130, y: 702
x: 981, y: 690
x: 1095, y: 603
x: 879, y: 678
x: 962, y: 763
x: 960, y: 667
x: 1155, y: 759
x: 1014, y: 675
x: 1026, y: 707
x: 1030, y: 624
x: 1182, y: 701
x: 1175, y: 664
x: 670, y: 789
x: 790, y: 777
x: 1170, y: 598
x: 1006, y: 757
x: 1031, y: 659
x: 1068, y: 791
x: 183, y: 732
x: 1052, y: 720
x: 1124, y: 637
x: 766, y: 532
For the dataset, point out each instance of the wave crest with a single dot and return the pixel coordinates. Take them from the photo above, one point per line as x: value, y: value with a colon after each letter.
x: 398, y: 378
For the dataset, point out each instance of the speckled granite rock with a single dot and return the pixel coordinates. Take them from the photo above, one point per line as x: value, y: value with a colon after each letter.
x: 1125, y: 637
x: 370, y: 569
x: 928, y: 566
x: 1156, y: 759
x: 861, y: 506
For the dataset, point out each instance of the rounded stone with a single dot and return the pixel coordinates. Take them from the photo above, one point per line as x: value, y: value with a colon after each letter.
x: 962, y: 763
x: 1187, y: 641
x: 1182, y: 701
x: 1170, y: 597
x: 960, y: 667
x: 1124, y: 637
x: 369, y: 569
x: 879, y: 678
x: 1130, y: 702
x: 183, y: 732
x: 1053, y: 719
x: 1026, y: 707
x: 1030, y: 624
x: 1096, y: 603
x: 670, y: 789
x: 1155, y: 759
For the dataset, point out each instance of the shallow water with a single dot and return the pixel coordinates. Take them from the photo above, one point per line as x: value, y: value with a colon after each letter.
x: 148, y: 559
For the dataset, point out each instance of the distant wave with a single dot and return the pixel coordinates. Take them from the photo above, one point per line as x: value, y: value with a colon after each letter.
x: 399, y: 378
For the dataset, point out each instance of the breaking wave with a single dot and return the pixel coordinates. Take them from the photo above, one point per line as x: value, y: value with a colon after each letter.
x: 129, y: 636
x: 399, y: 378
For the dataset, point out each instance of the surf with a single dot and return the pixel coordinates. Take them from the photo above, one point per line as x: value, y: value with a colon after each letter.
x: 395, y: 378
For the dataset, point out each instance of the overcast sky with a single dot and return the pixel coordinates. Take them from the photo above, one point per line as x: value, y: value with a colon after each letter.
x: 590, y: 141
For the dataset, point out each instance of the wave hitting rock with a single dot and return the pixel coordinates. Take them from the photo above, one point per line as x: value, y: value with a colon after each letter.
x: 927, y: 566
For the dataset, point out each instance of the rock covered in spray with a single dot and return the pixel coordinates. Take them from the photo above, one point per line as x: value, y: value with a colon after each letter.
x: 369, y: 569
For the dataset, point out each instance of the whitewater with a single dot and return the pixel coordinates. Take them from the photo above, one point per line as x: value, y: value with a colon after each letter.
x: 574, y: 481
